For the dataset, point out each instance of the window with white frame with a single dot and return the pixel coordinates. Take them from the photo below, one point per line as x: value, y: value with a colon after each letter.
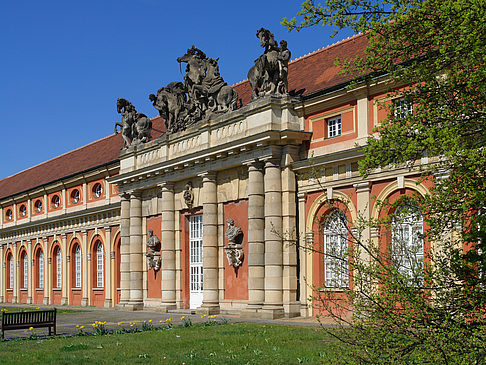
x: 334, y: 127
x: 41, y: 269
x: 336, y: 250
x: 402, y: 108
x: 26, y: 271
x: 99, y: 265
x: 408, y: 244
x: 11, y: 271
x: 77, y: 267
x: 58, y: 268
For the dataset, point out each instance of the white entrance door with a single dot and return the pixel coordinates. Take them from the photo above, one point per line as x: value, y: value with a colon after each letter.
x: 196, y: 261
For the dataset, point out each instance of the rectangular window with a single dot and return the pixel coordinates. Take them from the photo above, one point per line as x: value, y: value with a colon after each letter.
x: 26, y: 272
x: 58, y: 269
x: 334, y: 127
x: 78, y: 267
x: 402, y: 108
x: 10, y: 284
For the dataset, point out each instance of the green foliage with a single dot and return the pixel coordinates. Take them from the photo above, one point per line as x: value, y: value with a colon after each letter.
x: 433, y: 54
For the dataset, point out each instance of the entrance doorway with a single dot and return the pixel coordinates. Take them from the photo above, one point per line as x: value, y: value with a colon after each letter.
x: 195, y: 261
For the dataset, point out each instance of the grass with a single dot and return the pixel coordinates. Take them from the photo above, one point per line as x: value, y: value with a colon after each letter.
x: 230, y: 343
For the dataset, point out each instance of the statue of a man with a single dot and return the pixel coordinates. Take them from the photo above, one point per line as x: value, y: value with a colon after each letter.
x: 283, y: 61
x: 232, y: 232
x: 153, y: 255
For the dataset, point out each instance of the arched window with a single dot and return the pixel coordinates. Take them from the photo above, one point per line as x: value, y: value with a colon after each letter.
x: 408, y: 243
x: 40, y: 258
x: 99, y: 266
x: 58, y: 268
x: 336, y: 250
x: 26, y: 271
x: 77, y: 266
x: 11, y: 271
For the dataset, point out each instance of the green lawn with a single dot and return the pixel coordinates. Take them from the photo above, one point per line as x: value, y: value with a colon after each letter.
x: 230, y: 343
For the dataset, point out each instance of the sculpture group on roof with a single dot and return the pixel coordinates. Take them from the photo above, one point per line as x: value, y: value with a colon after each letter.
x: 204, y: 93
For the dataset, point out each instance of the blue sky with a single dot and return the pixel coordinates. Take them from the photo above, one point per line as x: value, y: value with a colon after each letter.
x: 64, y: 63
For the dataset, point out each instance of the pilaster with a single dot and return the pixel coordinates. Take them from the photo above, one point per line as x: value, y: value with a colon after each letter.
x: 136, y: 252
x: 64, y: 297
x: 124, y: 250
x: 85, y: 268
x: 30, y: 276
x: 108, y: 274
x: 15, y: 264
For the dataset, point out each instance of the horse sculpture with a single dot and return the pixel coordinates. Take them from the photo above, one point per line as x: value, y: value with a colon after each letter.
x: 135, y: 127
x: 170, y: 101
x: 265, y: 75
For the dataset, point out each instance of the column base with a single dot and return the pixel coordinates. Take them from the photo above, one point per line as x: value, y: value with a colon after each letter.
x: 29, y: 300
x: 14, y: 300
x: 292, y: 309
x: 165, y: 308
x: 133, y: 306
x: 45, y: 301
x: 250, y: 311
x: 84, y: 302
x: 271, y: 312
x: 64, y: 301
x: 107, y: 303
x: 208, y: 309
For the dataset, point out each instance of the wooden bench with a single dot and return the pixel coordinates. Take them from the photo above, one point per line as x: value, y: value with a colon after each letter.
x: 25, y: 320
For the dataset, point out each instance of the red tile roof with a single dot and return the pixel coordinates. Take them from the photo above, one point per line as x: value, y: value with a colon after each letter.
x: 312, y: 72
x: 97, y: 153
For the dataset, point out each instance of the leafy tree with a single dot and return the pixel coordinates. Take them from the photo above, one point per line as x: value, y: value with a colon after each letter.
x: 433, y: 54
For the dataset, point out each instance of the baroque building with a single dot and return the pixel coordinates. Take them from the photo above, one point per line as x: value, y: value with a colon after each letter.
x: 209, y: 206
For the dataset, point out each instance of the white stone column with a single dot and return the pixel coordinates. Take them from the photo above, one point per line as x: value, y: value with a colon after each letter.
x: 64, y: 297
x: 2, y: 275
x: 168, y: 253
x: 210, y: 303
x: 84, y: 269
x: 30, y: 276
x: 363, y: 190
x: 47, y: 271
x: 256, y: 239
x: 107, y: 274
x: 136, y: 252
x: 15, y: 263
x: 124, y: 250
x: 273, y: 305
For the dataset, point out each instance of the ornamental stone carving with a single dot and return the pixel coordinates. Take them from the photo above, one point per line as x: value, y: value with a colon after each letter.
x: 153, y: 253
x: 269, y: 74
x: 234, y: 249
x: 188, y: 195
x: 203, y: 93
x: 135, y: 127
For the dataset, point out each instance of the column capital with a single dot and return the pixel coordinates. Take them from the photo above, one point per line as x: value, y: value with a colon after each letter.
x: 253, y: 164
x: 302, y: 196
x: 166, y: 186
x: 208, y: 175
x: 271, y: 161
x: 135, y: 194
x: 124, y: 196
x: 362, y: 187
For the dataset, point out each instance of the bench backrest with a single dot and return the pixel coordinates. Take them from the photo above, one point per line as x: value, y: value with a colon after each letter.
x: 26, y: 318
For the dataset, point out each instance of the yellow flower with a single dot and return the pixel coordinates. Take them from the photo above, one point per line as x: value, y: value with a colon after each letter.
x: 160, y: 321
x: 38, y: 308
x: 81, y: 327
x: 131, y: 324
x: 77, y: 326
x: 31, y: 328
x: 150, y: 321
x: 182, y: 318
x: 168, y: 319
x: 120, y: 323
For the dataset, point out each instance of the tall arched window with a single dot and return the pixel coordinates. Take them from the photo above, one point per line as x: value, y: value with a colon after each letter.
x: 11, y: 271
x: 336, y: 250
x: 26, y: 271
x: 41, y: 269
x: 99, y: 266
x: 77, y: 266
x: 408, y: 243
x: 58, y: 268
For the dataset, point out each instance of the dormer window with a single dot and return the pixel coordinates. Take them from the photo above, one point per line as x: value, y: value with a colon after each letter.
x: 23, y: 210
x: 75, y: 196
x: 38, y: 206
x: 55, y: 202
